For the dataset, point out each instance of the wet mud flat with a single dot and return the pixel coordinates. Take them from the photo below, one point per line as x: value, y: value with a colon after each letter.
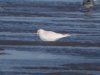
x: 23, y: 53
x: 39, y: 43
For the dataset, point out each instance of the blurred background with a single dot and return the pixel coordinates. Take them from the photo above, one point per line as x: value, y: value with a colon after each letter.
x: 23, y: 53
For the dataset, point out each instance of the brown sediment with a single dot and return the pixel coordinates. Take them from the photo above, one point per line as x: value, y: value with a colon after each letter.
x: 3, y: 53
x: 80, y: 66
x: 22, y: 14
x: 42, y: 43
x: 43, y: 68
x: 84, y: 66
x: 1, y: 49
x: 67, y: 73
x: 14, y: 73
x: 52, y: 73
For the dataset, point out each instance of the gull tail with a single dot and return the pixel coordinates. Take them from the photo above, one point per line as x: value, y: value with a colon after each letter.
x: 66, y: 35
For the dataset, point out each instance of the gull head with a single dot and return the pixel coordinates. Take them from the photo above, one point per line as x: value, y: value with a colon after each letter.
x: 40, y: 31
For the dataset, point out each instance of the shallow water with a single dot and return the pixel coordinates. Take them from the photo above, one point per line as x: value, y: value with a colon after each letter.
x: 23, y: 53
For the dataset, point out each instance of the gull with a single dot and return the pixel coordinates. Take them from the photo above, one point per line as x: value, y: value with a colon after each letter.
x: 50, y: 35
x: 88, y: 4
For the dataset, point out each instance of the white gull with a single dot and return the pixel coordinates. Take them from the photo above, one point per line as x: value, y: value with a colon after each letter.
x: 50, y: 35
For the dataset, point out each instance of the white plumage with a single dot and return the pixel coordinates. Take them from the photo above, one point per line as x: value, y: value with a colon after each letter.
x: 50, y: 35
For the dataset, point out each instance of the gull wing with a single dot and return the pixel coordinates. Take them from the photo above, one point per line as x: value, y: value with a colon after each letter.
x: 54, y: 34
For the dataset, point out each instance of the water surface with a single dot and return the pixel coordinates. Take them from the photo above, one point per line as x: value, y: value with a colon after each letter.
x: 23, y: 53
